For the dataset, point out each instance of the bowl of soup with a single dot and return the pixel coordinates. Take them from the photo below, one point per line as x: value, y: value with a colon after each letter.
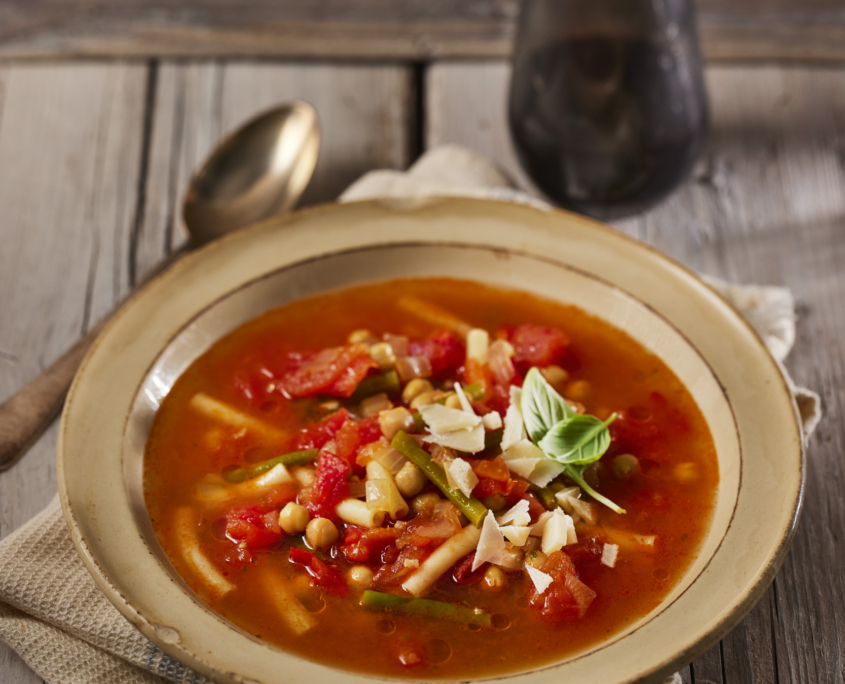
x: 443, y: 439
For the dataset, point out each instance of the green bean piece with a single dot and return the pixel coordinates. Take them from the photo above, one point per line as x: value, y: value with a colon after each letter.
x: 293, y: 458
x: 387, y: 382
x: 492, y: 444
x: 546, y: 496
x: 474, y: 391
x: 471, y: 507
x: 426, y: 608
x: 419, y: 422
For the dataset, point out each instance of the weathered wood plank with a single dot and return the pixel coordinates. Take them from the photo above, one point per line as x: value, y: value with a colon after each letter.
x: 374, y: 29
x: 365, y: 113
x: 70, y: 141
x: 766, y: 204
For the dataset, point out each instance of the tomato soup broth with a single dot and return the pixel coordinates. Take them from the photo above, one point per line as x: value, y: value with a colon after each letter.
x: 660, y: 466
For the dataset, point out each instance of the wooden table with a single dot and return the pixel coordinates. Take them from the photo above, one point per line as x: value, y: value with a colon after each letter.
x: 94, y: 157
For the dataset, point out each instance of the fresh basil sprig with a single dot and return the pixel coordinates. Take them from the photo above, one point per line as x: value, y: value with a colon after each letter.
x: 563, y: 436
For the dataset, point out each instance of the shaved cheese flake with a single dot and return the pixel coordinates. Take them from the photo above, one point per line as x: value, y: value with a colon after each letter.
x: 517, y: 515
x: 517, y: 535
x: 470, y: 441
x: 545, y: 471
x: 574, y: 506
x: 442, y: 419
x: 514, y: 427
x: 558, y: 532
x: 538, y: 527
x: 460, y: 476
x: 462, y: 397
x: 492, y: 420
x: 491, y: 543
x: 608, y: 555
x: 478, y: 342
x: 524, y: 448
x: 541, y: 579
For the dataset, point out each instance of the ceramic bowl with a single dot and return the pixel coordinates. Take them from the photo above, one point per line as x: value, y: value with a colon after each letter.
x: 176, y: 317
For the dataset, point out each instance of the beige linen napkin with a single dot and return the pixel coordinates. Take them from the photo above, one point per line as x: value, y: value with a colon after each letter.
x: 53, y: 614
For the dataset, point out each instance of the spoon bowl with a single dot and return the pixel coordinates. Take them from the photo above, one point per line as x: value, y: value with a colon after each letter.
x: 258, y: 171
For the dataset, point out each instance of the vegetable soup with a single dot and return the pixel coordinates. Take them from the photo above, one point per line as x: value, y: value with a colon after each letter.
x: 430, y: 478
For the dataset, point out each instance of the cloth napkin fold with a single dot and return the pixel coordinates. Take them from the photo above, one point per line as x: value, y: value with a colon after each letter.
x: 55, y: 617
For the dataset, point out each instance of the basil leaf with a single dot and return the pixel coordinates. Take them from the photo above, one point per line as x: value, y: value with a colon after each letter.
x: 581, y: 440
x: 542, y: 407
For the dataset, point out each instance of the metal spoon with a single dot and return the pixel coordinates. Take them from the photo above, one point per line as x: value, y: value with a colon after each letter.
x: 256, y: 172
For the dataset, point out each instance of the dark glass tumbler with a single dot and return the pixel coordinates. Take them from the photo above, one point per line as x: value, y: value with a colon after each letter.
x: 608, y: 108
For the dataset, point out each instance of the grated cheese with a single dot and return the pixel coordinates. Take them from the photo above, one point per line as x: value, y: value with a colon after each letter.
x: 540, y: 525
x: 514, y: 427
x: 545, y: 471
x: 491, y: 543
x: 442, y: 419
x: 608, y: 555
x: 518, y: 535
x: 462, y: 397
x: 492, y: 420
x: 470, y: 441
x: 518, y: 515
x: 460, y: 476
x: 540, y: 579
x: 558, y: 532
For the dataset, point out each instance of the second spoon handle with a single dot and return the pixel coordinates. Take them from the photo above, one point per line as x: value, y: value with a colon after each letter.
x: 28, y: 412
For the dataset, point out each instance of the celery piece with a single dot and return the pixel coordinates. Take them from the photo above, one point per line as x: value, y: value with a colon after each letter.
x: 471, y: 507
x: 256, y: 469
x: 546, y: 496
x: 387, y: 382
x: 474, y: 391
x: 426, y: 608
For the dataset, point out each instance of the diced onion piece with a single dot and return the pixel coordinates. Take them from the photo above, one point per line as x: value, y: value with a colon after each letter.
x: 357, y: 489
x: 410, y: 367
x: 491, y: 542
x: 478, y: 342
x: 441, y: 419
x: 382, y: 493
x: 398, y: 343
x: 492, y: 420
x: 460, y: 476
x: 518, y: 535
x: 545, y: 471
x: 375, y: 404
x: 443, y: 558
x: 608, y: 555
x: 514, y: 427
x: 462, y: 397
x: 470, y: 441
x: 541, y: 580
x: 517, y: 515
x: 558, y: 532
x: 390, y: 458
x: 499, y: 362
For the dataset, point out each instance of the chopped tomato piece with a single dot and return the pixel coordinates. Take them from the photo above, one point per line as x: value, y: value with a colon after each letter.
x: 444, y: 351
x: 405, y: 563
x: 316, y: 436
x: 493, y: 468
x: 478, y: 373
x: 279, y: 496
x: 487, y: 486
x: 567, y: 597
x: 361, y: 545
x: 409, y: 652
x: 324, y: 576
x: 335, y: 372
x: 257, y: 526
x: 353, y: 435
x: 329, y: 486
x: 536, y: 345
x: 463, y: 573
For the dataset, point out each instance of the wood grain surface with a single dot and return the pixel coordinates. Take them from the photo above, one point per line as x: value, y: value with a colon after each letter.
x: 374, y: 29
x: 94, y: 158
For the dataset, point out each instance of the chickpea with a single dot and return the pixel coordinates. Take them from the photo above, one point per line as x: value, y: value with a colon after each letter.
x: 426, y: 398
x: 578, y: 390
x: 494, y: 579
x: 294, y: 518
x: 410, y: 480
x: 624, y: 466
x: 424, y: 503
x: 535, y: 559
x: 495, y: 502
x: 554, y: 375
x: 393, y: 420
x: 531, y: 545
x: 321, y: 533
x: 357, y: 336
x: 686, y: 472
x: 414, y: 388
x: 382, y: 354
x: 453, y: 401
x: 360, y: 576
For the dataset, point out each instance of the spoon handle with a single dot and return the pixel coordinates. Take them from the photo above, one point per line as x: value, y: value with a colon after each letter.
x: 28, y: 412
